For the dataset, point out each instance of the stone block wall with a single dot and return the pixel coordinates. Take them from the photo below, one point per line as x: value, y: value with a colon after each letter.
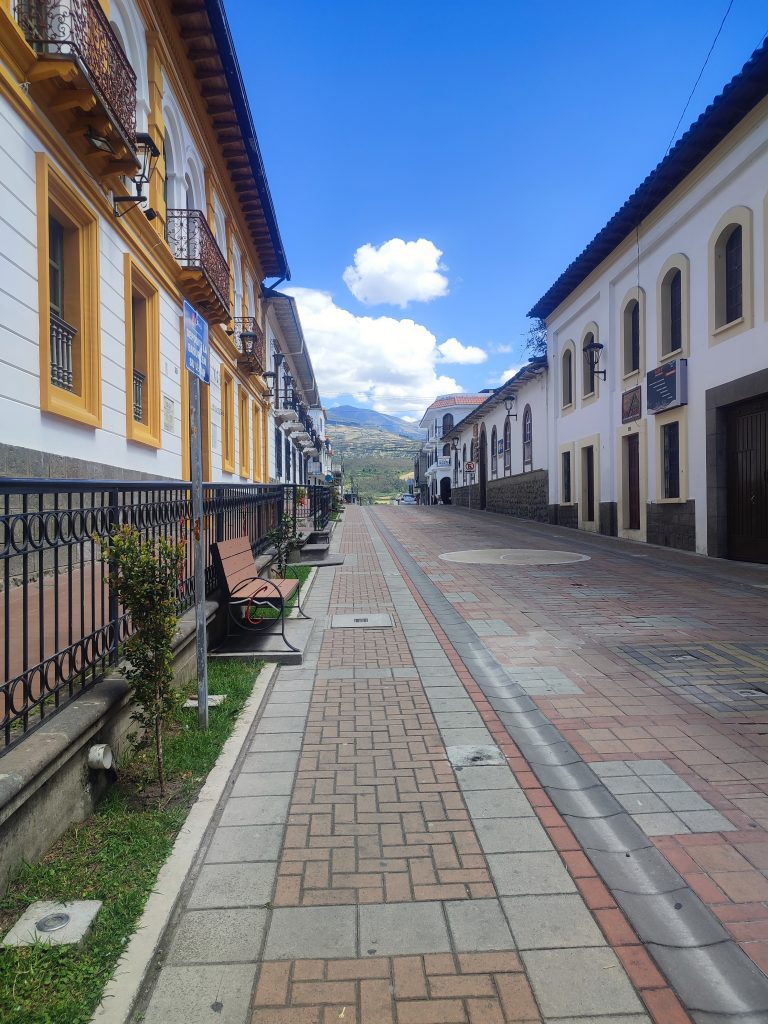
x: 672, y: 525
x: 609, y: 520
x: 524, y: 495
x: 564, y: 515
x: 468, y: 496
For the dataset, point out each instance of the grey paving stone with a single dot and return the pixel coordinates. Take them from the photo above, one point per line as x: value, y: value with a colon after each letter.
x: 478, y: 926
x: 551, y: 922
x: 622, y: 1018
x: 543, y: 735
x: 576, y: 982
x: 566, y: 776
x: 641, y: 803
x: 511, y: 835
x: 716, y: 979
x: 263, y: 784
x: 677, y: 918
x: 399, y: 928
x: 650, y: 766
x: 204, y: 994
x: 667, y: 784
x: 607, y: 769
x: 282, y: 724
x: 255, y: 810
x: 523, y: 874
x: 662, y: 824
x: 244, y: 843
x: 556, y: 753
x: 643, y: 871
x: 466, y: 755
x: 464, y: 737
x: 626, y: 784
x: 462, y: 704
x: 298, y: 705
x: 234, y: 885
x: 218, y: 936
x: 308, y: 933
x: 689, y: 801
x: 504, y: 803
x: 458, y: 720
x: 275, y: 761
x: 486, y: 778
x: 706, y: 821
x: 276, y: 741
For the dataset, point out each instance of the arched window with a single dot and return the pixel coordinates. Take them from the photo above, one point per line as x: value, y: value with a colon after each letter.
x: 729, y: 305
x: 631, y: 336
x: 587, y: 369
x: 507, y: 446
x: 447, y: 423
x: 494, y: 454
x: 673, y: 304
x: 446, y: 449
x: 567, y: 378
x: 527, y: 439
x: 237, y: 282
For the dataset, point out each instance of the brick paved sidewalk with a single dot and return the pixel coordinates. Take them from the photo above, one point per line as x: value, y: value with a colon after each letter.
x: 357, y: 872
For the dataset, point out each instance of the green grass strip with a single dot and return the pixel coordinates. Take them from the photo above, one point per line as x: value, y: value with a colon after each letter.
x: 113, y: 856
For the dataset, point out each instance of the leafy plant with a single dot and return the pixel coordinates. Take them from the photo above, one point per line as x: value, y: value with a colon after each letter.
x: 536, y: 338
x: 282, y: 536
x: 144, y: 575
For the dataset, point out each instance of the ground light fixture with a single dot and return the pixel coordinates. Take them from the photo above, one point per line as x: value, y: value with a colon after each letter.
x: 592, y: 353
x: 148, y: 155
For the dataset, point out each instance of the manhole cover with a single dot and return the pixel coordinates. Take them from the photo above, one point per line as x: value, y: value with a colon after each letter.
x: 363, y: 620
x: 513, y: 556
x: 472, y: 756
x: 52, y: 922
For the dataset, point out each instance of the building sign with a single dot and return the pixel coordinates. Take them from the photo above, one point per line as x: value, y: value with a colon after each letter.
x: 469, y: 467
x: 197, y: 353
x: 443, y: 461
x: 632, y: 405
x: 667, y: 386
x: 500, y: 446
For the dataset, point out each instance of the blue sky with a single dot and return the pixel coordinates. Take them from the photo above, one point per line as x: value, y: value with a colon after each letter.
x: 504, y: 134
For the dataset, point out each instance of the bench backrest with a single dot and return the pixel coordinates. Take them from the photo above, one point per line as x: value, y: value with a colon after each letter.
x: 234, y: 562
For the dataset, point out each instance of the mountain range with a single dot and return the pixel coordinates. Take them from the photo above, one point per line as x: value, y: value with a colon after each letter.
x: 351, y: 416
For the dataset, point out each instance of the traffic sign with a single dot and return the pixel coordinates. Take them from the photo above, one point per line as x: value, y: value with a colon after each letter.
x: 469, y: 467
x: 197, y: 353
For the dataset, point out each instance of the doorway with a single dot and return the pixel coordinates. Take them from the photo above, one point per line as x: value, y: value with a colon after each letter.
x: 445, y: 490
x: 588, y: 482
x: 632, y: 455
x: 747, y: 480
x: 483, y: 467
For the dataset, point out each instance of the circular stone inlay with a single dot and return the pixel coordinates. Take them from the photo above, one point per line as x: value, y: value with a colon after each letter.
x: 513, y: 556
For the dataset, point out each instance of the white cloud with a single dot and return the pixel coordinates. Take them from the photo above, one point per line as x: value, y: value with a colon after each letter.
x: 381, y: 361
x: 397, y: 273
x: 454, y: 352
x: 506, y: 374
x: 501, y: 349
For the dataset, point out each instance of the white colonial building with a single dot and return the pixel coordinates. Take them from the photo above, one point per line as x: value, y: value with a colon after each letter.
x: 499, y: 450
x: 658, y: 347
x: 433, y: 476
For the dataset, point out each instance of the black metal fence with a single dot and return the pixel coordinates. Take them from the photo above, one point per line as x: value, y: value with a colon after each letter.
x: 61, y: 627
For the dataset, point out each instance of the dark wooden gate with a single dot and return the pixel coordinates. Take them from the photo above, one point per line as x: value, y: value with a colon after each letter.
x: 633, y: 480
x: 747, y: 480
x: 589, y: 484
x: 483, y: 468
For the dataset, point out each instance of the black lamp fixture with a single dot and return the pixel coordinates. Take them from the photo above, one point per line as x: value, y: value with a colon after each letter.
x: 269, y: 377
x: 149, y: 155
x: 592, y: 353
x: 509, y: 404
x: 455, y: 442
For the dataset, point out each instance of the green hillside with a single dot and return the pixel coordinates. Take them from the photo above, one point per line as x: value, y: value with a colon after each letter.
x: 376, y: 462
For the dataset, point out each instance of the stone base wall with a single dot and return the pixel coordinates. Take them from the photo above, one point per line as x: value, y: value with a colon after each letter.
x: 523, y: 496
x: 24, y: 463
x: 609, y: 519
x: 564, y: 515
x: 672, y: 525
x: 468, y: 496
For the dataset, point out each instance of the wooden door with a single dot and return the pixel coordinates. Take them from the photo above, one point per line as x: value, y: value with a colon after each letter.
x: 747, y: 480
x: 483, y: 468
x: 633, y: 480
x: 589, y: 484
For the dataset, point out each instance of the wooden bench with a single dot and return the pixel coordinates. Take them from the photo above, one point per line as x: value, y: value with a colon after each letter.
x: 247, y: 592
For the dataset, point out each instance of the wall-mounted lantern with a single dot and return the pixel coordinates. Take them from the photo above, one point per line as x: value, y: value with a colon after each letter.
x: 510, y: 403
x: 148, y: 155
x: 592, y: 353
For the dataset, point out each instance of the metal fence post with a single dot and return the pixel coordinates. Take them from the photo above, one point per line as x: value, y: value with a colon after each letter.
x: 113, y: 522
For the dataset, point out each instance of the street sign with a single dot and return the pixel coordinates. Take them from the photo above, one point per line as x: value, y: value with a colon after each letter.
x: 469, y: 467
x: 197, y: 353
x: 328, y: 478
x: 443, y: 461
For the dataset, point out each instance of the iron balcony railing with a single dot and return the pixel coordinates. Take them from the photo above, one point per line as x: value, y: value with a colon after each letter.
x: 192, y: 243
x: 78, y: 30
x: 61, y: 626
x: 249, y: 339
x: 138, y: 396
x: 62, y: 338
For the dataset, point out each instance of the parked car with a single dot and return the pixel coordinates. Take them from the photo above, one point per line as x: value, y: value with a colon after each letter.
x: 407, y: 499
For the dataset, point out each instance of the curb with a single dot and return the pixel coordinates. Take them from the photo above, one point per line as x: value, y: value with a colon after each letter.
x: 123, y: 988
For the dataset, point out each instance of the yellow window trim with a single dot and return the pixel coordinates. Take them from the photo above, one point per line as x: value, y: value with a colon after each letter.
x: 244, y: 423
x: 258, y: 464
x: 53, y: 190
x: 148, y: 433
x: 680, y: 415
x: 227, y: 421
x: 205, y: 416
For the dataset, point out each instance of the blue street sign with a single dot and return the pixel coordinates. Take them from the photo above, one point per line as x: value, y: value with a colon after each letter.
x: 328, y: 478
x: 197, y: 353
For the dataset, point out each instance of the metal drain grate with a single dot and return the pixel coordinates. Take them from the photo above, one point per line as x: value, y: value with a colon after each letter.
x: 361, y: 621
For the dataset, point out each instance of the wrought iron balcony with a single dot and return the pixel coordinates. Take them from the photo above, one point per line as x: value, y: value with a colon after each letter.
x: 249, y: 339
x: 206, y: 277
x: 62, y: 338
x: 77, y: 32
x: 138, y: 396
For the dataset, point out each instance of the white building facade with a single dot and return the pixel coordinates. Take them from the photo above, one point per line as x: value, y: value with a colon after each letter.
x: 499, y: 451
x: 658, y: 347
x: 432, y: 468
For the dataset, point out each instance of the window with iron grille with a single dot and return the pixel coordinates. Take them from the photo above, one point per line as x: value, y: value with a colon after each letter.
x: 632, y: 336
x: 494, y: 453
x: 567, y: 378
x: 671, y: 442
x: 507, y: 446
x: 278, y: 452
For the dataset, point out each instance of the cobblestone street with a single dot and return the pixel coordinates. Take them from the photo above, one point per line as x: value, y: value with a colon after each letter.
x: 539, y: 794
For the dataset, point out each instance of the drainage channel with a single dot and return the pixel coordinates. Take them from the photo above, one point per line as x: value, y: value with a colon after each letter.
x: 711, y: 974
